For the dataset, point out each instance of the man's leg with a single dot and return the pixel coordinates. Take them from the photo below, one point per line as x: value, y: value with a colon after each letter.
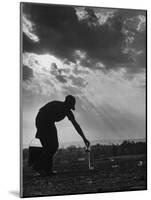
x: 49, y: 149
x: 50, y: 145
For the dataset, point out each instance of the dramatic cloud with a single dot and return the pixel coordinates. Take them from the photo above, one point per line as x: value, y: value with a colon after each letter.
x: 96, y: 54
x: 97, y: 86
x: 112, y: 36
x: 29, y: 29
x: 94, y: 16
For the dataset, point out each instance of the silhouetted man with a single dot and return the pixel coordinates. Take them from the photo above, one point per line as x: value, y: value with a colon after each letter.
x: 52, y: 112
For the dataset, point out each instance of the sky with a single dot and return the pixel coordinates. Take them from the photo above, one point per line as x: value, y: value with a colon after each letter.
x: 96, y: 54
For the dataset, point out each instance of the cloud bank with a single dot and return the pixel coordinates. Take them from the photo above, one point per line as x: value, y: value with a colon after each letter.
x: 96, y: 54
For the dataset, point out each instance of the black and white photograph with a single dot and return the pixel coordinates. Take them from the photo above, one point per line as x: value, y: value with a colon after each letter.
x: 83, y: 99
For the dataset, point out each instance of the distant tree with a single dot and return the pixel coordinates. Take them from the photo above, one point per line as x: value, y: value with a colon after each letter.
x: 115, y: 150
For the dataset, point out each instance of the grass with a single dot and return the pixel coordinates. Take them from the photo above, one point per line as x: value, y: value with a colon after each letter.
x: 121, y: 173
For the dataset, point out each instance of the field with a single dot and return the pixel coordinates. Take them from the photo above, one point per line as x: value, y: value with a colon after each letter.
x: 110, y: 174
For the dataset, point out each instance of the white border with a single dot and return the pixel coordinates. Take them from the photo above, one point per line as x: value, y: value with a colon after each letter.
x: 9, y: 97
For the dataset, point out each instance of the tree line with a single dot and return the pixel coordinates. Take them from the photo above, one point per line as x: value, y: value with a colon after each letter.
x: 98, y: 151
x: 73, y: 153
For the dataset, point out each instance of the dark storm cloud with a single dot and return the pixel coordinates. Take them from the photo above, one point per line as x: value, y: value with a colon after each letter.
x: 27, y: 73
x: 58, y: 73
x: 61, y: 79
x: 29, y: 45
x: 61, y: 33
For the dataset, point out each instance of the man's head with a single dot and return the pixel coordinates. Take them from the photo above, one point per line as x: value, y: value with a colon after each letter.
x: 70, y: 102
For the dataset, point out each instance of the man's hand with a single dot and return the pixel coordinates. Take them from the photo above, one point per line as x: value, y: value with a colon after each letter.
x: 87, y: 143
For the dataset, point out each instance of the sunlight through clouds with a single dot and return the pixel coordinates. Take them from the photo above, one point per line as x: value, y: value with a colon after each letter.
x: 98, y: 56
x: 122, y: 93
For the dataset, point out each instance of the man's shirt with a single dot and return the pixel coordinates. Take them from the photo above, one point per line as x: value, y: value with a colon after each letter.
x: 55, y: 111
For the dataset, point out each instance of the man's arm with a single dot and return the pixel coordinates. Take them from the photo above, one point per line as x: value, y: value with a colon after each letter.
x: 79, y: 130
